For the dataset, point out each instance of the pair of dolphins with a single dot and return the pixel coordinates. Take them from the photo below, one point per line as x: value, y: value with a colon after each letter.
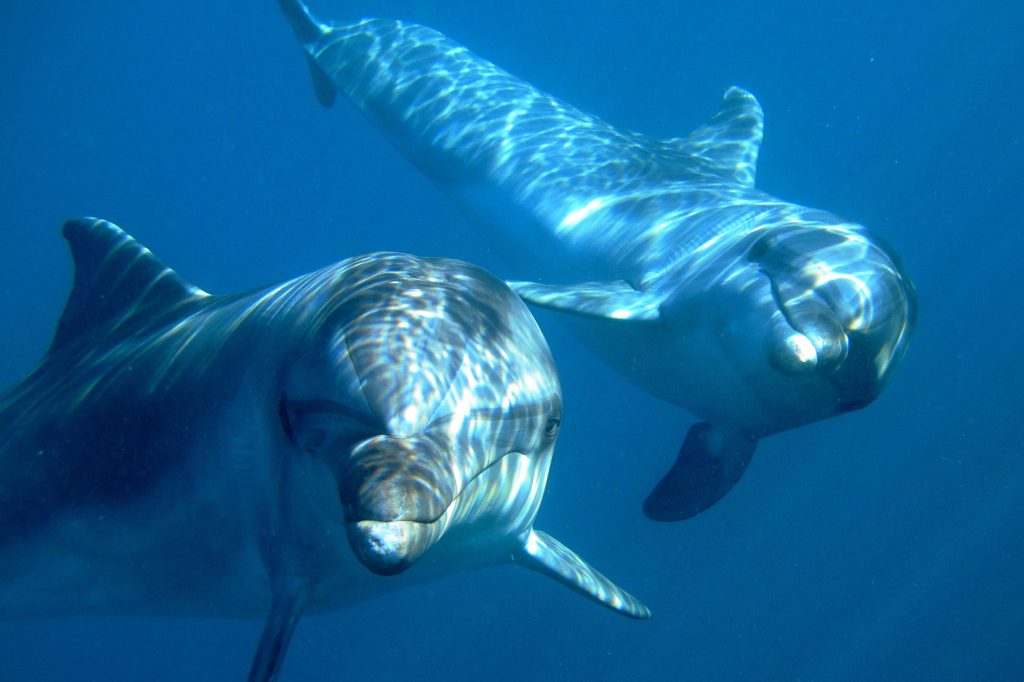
x: 178, y: 452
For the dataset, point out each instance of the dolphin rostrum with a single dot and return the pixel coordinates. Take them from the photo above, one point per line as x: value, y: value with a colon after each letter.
x: 756, y: 314
x: 182, y: 453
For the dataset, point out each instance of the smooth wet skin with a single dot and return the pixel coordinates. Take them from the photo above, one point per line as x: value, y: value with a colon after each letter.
x: 294, y: 448
x: 755, y: 314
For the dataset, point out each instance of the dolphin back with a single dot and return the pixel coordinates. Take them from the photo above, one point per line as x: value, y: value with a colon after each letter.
x: 539, y: 170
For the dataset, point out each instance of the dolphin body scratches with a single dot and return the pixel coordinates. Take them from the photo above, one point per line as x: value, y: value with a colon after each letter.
x: 290, y: 449
x: 756, y: 314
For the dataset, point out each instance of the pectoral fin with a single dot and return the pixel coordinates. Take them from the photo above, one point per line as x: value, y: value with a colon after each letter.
x: 277, y: 633
x: 709, y: 464
x: 544, y: 554
x: 608, y: 300
x: 323, y: 88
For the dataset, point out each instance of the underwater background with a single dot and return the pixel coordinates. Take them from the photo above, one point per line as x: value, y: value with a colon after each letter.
x: 882, y: 544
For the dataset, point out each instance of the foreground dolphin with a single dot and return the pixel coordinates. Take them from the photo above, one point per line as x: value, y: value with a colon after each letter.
x: 756, y: 314
x: 182, y: 453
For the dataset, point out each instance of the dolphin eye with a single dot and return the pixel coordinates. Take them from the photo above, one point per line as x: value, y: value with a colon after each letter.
x: 551, y: 427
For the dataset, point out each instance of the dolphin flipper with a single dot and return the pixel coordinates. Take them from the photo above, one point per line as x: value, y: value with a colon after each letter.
x: 544, y: 554
x: 709, y: 464
x: 607, y: 300
x: 324, y: 89
x: 277, y: 633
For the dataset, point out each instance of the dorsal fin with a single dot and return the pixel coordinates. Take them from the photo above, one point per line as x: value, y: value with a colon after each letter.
x: 115, y: 278
x: 727, y: 145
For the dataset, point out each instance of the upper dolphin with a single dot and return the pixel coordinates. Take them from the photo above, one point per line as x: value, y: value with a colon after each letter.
x: 756, y: 314
x: 182, y: 453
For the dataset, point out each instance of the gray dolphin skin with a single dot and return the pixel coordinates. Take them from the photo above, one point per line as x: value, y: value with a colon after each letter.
x: 755, y: 314
x: 181, y: 453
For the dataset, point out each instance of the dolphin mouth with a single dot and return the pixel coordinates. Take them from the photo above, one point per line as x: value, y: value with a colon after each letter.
x: 390, y: 547
x: 398, y: 497
x: 811, y: 339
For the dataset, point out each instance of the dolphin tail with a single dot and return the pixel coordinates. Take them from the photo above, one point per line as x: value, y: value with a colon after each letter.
x: 542, y: 553
x: 277, y: 633
x: 309, y: 30
x: 709, y: 464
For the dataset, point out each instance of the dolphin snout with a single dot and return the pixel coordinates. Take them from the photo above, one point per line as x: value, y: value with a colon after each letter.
x: 388, y: 548
x: 809, y: 336
x: 397, y: 479
x: 824, y: 332
x: 394, y: 492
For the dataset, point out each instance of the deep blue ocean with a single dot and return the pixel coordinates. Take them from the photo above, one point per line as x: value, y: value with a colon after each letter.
x: 886, y: 544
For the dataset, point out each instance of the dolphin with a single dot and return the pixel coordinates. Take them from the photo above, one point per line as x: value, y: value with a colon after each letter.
x: 755, y: 314
x: 181, y: 453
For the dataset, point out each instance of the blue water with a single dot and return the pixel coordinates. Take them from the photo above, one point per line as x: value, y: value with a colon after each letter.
x: 884, y: 544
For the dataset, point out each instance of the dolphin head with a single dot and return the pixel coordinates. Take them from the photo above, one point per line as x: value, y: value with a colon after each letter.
x: 429, y: 375
x: 836, y: 308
